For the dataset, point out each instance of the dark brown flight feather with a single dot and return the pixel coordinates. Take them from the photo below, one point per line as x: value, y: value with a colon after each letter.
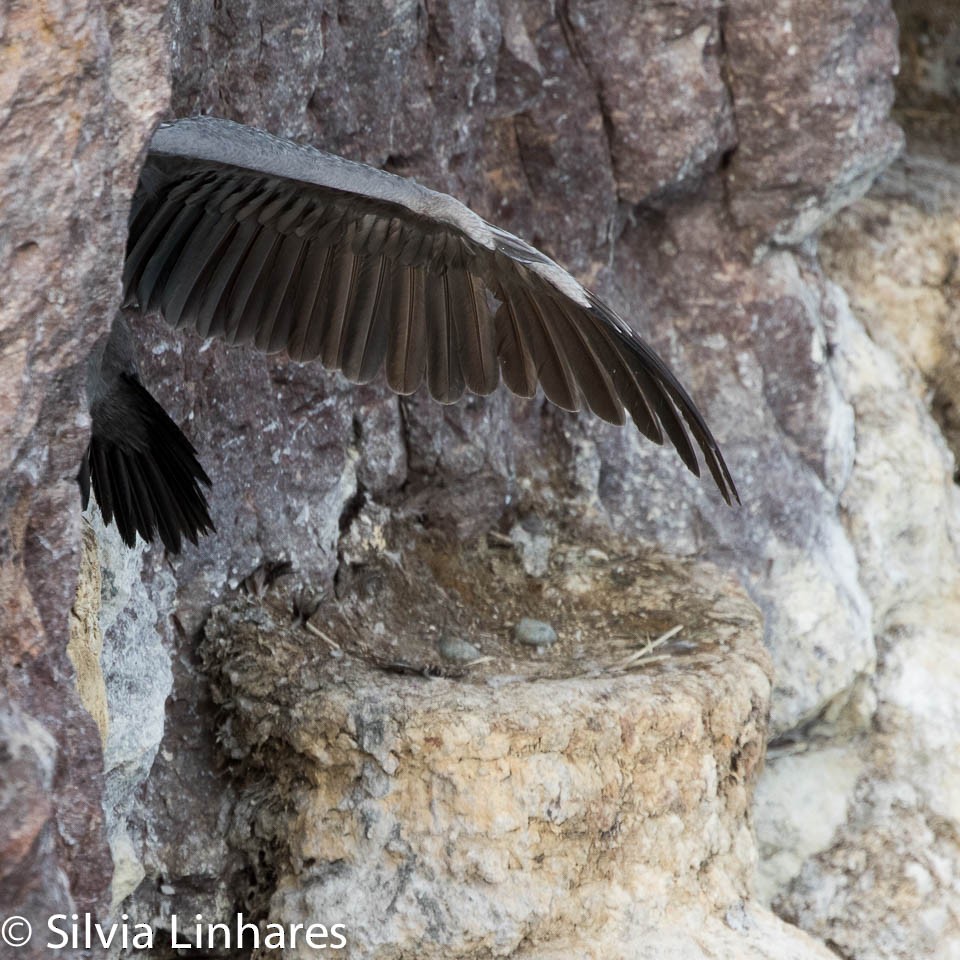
x: 254, y: 239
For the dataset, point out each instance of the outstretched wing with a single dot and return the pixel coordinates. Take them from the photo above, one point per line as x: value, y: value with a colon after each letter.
x: 254, y: 239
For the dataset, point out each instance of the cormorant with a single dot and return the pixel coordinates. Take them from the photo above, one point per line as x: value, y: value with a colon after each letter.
x: 244, y: 236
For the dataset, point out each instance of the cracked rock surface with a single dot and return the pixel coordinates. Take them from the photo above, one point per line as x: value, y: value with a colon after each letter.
x: 688, y: 162
x: 80, y: 87
x: 575, y: 799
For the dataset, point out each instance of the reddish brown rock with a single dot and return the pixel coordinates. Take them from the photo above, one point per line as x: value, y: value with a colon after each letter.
x: 79, y: 90
x: 811, y: 85
x: 655, y: 150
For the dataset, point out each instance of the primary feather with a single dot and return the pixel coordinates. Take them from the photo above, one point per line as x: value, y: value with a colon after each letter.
x: 255, y: 239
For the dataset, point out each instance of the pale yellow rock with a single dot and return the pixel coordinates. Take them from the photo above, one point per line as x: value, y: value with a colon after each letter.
x: 870, y: 860
x: 541, y: 805
x: 899, y: 262
x: 86, y: 635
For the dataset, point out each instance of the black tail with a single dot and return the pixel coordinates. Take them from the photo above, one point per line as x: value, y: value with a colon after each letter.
x: 144, y: 472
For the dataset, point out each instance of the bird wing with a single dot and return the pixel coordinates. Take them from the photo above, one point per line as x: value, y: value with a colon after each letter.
x: 255, y: 239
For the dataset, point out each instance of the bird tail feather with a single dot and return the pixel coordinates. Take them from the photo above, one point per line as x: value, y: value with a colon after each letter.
x: 143, y: 471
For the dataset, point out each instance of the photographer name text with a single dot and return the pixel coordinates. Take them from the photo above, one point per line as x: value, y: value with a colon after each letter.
x: 84, y: 931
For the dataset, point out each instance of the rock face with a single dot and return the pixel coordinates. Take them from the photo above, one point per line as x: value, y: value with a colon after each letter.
x: 814, y: 138
x: 679, y: 159
x: 80, y: 86
x: 879, y: 876
x: 532, y: 804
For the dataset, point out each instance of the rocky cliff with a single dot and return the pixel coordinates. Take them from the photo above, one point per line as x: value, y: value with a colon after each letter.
x: 288, y: 720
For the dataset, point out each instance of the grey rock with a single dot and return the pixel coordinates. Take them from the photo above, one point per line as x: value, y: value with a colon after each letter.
x: 533, y: 544
x: 457, y: 649
x: 813, y: 89
x: 534, y: 633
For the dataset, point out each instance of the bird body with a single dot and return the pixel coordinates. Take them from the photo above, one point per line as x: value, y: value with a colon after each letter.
x: 254, y: 239
x: 143, y: 470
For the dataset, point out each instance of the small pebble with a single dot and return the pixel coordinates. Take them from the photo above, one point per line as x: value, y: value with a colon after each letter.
x: 534, y: 633
x: 457, y: 650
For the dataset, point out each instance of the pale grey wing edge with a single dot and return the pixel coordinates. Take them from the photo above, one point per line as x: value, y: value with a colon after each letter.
x: 216, y: 140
